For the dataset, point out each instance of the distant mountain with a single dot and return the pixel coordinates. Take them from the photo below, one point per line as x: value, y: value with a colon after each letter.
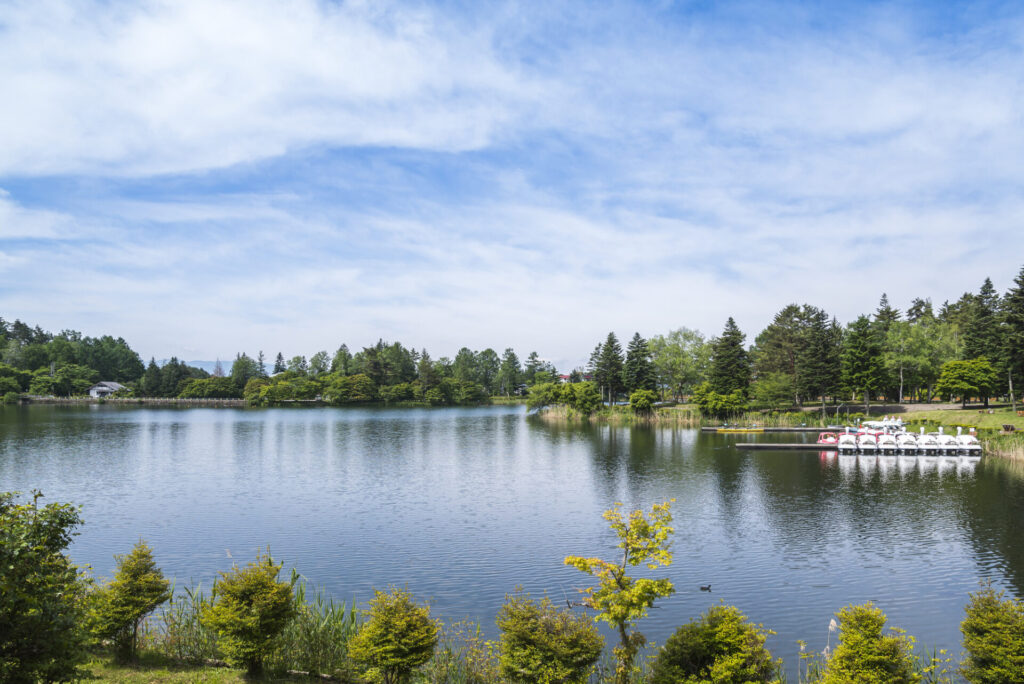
x: 207, y: 366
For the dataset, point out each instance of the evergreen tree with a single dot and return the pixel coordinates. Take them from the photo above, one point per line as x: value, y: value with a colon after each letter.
x: 981, y: 334
x: 638, y: 370
x: 342, y: 361
x: 533, y: 364
x: 279, y: 366
x: 920, y: 309
x: 261, y: 365
x: 1013, y: 336
x: 609, y: 368
x: 862, y: 369
x: 730, y: 363
x: 509, y: 373
x: 819, y: 367
x: 151, y: 379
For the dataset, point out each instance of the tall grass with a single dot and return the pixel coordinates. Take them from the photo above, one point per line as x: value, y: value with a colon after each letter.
x: 316, y: 639
x: 1010, y: 445
x: 462, y: 656
x: 177, y: 633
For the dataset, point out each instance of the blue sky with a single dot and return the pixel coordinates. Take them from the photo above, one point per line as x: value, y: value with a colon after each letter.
x: 204, y: 177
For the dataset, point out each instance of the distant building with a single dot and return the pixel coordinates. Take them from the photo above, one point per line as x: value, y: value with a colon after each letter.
x: 103, y: 389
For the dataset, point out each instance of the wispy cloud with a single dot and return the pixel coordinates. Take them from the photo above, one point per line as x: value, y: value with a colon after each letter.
x: 209, y: 177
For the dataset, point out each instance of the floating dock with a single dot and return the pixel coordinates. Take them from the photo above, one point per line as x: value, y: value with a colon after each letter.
x: 790, y: 446
x: 741, y: 430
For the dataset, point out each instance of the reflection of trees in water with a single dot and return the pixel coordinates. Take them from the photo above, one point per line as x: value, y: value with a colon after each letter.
x: 993, y: 513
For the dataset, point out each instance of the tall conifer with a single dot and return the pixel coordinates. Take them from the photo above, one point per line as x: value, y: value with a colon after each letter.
x: 638, y: 370
x: 730, y: 363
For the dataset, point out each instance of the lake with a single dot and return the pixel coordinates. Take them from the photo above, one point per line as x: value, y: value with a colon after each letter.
x: 462, y: 505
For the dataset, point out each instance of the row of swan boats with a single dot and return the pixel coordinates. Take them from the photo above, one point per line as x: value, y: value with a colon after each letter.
x: 890, y: 437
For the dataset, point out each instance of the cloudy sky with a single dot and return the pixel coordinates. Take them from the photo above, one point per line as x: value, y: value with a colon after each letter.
x: 204, y: 177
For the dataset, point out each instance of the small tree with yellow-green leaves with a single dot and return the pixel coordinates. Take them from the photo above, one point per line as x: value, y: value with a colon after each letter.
x: 138, y: 588
x: 248, y: 609
x: 397, y: 637
x: 621, y: 600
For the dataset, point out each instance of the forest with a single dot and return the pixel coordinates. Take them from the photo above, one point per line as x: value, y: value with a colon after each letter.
x: 971, y: 348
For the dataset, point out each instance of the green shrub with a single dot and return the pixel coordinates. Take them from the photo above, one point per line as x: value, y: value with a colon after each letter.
x: 721, y: 646
x: 137, y: 590
x: 11, y: 397
x: 642, y: 402
x: 248, y: 609
x: 541, y: 644
x: 866, y: 656
x: 42, y: 595
x: 398, y: 637
x: 994, y: 639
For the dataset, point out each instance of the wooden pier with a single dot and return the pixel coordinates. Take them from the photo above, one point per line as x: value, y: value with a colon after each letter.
x: 740, y: 430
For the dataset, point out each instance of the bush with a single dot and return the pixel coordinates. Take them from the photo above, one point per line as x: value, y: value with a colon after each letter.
x: 42, y: 596
x: 137, y: 590
x: 248, y: 609
x: 540, y: 643
x: 864, y: 655
x: 712, y: 403
x: 11, y: 397
x: 994, y: 639
x: 721, y: 646
x: 642, y: 402
x: 398, y: 637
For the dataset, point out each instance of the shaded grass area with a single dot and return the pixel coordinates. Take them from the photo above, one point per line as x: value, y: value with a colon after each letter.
x: 976, y: 418
x: 154, y: 667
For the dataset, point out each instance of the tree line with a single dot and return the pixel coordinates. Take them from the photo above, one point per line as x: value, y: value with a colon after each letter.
x: 972, y: 348
x: 54, y: 614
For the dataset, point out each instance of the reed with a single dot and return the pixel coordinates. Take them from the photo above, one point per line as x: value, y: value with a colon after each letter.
x: 462, y: 656
x: 316, y: 639
x: 1008, y: 446
x: 177, y: 632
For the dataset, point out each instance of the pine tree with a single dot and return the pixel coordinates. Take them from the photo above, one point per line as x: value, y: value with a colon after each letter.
x: 981, y: 334
x: 638, y: 370
x: 818, y: 363
x: 279, y: 366
x: 151, y: 379
x: 509, y: 372
x: 609, y: 367
x: 261, y: 363
x: 730, y: 363
x: 1012, y: 356
x: 862, y: 359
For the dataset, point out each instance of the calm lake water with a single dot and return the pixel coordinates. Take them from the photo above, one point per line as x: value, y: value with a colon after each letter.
x: 462, y: 505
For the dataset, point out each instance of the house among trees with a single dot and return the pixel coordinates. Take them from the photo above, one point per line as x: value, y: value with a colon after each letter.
x: 104, y: 389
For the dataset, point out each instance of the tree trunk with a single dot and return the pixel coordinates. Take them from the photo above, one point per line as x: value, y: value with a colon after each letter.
x: 900, y: 400
x: 1013, y: 401
x: 867, y: 403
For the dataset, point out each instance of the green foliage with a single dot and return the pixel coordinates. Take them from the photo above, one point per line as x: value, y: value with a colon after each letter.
x: 712, y: 403
x: 607, y: 367
x: 42, y: 596
x: 180, y: 632
x: 211, y: 388
x: 462, y: 656
x: 138, y: 588
x: 638, y: 370
x: 9, y: 396
x: 316, y: 639
x: 248, y: 609
x: 773, y: 390
x: 866, y: 656
x: 721, y: 646
x: 966, y: 379
x: 730, y: 363
x: 619, y: 599
x: 398, y: 637
x: 541, y: 644
x: 642, y: 402
x: 680, y: 360
x: 994, y: 638
x: 544, y: 394
x: 862, y: 361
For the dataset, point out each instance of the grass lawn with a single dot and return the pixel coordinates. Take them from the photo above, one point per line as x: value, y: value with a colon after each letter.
x: 153, y: 667
x: 972, y: 417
